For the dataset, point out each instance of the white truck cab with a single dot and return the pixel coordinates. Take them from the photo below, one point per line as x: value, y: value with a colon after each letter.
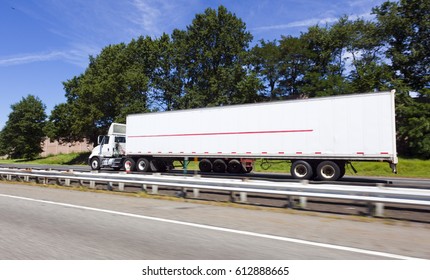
x: 110, y: 149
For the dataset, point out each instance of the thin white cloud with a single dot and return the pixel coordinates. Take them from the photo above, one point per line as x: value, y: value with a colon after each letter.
x: 30, y: 58
x: 295, y: 24
x: 147, y: 16
x: 77, y: 57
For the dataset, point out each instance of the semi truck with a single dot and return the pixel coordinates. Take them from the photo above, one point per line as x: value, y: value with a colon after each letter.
x: 319, y: 136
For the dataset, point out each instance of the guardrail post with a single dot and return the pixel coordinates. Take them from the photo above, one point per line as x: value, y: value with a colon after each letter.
x: 196, y: 193
x: 121, y: 187
x: 92, y: 184
x: 154, y: 189
x: 379, y: 209
x: 375, y: 209
x: 232, y: 197
x: 67, y: 182
x: 9, y: 177
x: 144, y: 188
x: 303, y: 202
x: 26, y: 178
x: 243, y: 197
x: 109, y: 186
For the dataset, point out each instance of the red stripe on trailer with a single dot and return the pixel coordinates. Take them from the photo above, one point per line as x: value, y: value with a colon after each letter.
x: 360, y: 153
x: 299, y: 153
x: 281, y: 153
x: 234, y: 153
x: 223, y: 133
x: 219, y: 152
x: 384, y: 153
x: 264, y: 153
x: 248, y: 153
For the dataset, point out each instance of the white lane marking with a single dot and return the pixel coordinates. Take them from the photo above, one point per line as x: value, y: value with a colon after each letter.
x: 248, y: 233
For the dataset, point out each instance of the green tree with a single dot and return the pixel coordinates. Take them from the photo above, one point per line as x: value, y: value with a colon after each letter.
x: 23, y: 133
x: 413, y: 126
x: 115, y: 84
x: 167, y: 82
x: 325, y: 76
x: 294, y: 64
x: 213, y: 68
x: 266, y: 58
x: 406, y: 25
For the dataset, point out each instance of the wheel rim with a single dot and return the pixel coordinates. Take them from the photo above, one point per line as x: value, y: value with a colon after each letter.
x: 328, y: 171
x: 142, y: 165
x: 301, y: 171
x: 94, y: 164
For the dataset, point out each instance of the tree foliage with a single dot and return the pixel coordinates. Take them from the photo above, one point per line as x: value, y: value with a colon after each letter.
x: 23, y: 133
x: 213, y: 52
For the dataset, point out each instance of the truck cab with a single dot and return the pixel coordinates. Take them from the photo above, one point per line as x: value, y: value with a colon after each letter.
x: 110, y: 150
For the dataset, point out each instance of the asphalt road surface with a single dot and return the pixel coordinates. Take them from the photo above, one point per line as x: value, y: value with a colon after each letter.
x: 50, y: 224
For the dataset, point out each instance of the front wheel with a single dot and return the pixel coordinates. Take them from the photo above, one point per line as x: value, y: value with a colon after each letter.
x: 95, y: 163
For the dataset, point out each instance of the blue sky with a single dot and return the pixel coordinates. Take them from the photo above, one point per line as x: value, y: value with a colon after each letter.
x: 46, y: 42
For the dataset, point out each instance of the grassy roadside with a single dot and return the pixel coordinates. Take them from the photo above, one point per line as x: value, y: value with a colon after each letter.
x: 412, y: 168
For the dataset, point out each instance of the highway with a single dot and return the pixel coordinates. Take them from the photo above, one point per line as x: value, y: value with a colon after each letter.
x: 50, y: 223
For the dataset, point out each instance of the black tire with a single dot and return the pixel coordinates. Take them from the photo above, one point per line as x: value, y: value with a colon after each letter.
x: 95, y: 163
x: 328, y: 171
x: 205, y: 165
x: 219, y: 166
x: 302, y: 170
x: 142, y: 165
x: 131, y: 162
x: 234, y: 166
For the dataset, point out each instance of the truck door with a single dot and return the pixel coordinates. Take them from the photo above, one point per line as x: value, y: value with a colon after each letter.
x: 106, y: 147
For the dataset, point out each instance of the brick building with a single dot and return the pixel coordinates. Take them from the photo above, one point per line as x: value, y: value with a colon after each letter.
x: 55, y: 148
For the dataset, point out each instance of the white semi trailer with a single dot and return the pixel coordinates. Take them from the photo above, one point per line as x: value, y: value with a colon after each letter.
x: 318, y: 135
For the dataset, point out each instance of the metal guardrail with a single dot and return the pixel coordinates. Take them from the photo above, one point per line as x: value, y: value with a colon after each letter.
x: 375, y: 196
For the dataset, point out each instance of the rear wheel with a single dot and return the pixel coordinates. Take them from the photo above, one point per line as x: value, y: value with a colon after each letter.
x: 142, y: 165
x: 205, y: 165
x: 234, y: 166
x: 219, y: 166
x: 328, y: 171
x: 301, y: 169
x: 131, y: 163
